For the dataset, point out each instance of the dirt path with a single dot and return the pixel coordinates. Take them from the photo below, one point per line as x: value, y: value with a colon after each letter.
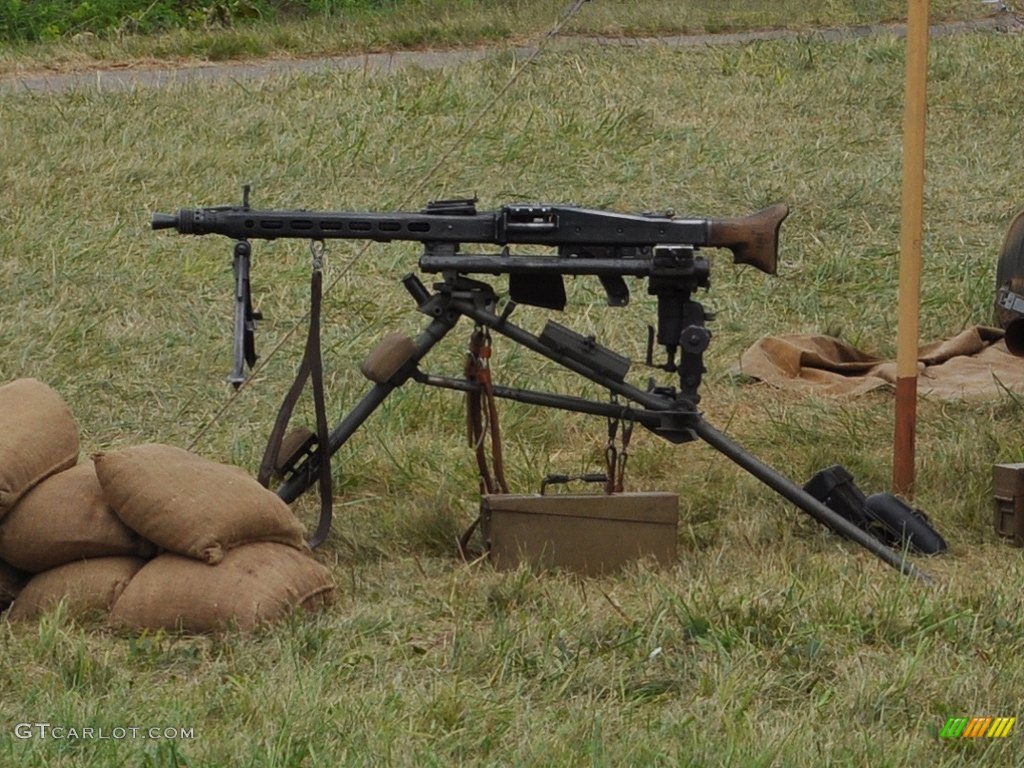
x: 141, y: 76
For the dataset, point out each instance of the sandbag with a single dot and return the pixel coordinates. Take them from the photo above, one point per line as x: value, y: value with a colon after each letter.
x: 190, y: 505
x: 86, y: 586
x: 38, y: 437
x: 255, y: 584
x: 63, y: 519
x: 11, y: 581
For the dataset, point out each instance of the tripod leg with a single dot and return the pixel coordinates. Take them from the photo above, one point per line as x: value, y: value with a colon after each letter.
x: 306, y: 473
x: 794, y: 493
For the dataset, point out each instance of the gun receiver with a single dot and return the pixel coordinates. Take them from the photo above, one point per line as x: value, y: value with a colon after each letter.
x: 576, y: 231
x: 661, y: 248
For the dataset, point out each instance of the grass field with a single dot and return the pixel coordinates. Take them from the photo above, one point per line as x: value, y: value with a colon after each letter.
x: 375, y: 25
x: 770, y: 643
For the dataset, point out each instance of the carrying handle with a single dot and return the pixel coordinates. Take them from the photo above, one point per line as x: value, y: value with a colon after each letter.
x: 556, y: 479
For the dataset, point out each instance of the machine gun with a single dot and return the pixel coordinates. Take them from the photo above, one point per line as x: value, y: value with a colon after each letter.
x: 661, y: 248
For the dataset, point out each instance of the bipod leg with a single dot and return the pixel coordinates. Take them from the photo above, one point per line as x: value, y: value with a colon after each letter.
x: 794, y: 493
x: 305, y: 473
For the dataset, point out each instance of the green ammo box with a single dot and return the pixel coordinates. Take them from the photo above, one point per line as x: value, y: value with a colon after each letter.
x: 1008, y: 501
x: 588, y: 534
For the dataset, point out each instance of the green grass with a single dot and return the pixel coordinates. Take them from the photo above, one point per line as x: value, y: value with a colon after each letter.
x: 49, y: 20
x: 779, y: 645
x: 357, y: 27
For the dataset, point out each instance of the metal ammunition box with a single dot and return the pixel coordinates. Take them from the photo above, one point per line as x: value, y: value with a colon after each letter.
x: 588, y: 534
x: 1008, y: 501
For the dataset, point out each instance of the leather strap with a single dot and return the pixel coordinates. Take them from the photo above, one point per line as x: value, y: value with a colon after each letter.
x: 311, y: 368
x: 477, y: 370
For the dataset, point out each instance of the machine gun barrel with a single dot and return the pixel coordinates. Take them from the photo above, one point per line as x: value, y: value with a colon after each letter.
x: 752, y: 239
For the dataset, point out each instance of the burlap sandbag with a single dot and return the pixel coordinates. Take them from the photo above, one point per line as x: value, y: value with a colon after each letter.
x: 63, y: 519
x: 38, y: 437
x: 190, y: 505
x: 86, y: 586
x: 254, y: 585
x: 11, y: 581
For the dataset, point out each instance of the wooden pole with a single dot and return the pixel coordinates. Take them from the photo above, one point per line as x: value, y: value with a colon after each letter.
x: 915, y: 100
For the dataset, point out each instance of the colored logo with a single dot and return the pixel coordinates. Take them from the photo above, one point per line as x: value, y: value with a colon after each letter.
x: 977, y: 727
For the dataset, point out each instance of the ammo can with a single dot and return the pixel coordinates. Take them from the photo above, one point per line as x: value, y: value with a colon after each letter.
x: 1008, y: 501
x: 588, y: 534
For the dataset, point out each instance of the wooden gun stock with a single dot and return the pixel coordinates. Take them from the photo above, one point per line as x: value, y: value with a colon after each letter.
x: 753, y: 239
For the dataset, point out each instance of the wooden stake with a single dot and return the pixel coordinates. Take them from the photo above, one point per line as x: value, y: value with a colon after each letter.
x: 915, y: 100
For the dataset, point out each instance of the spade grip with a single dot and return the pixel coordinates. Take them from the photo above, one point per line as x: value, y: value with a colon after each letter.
x: 753, y: 239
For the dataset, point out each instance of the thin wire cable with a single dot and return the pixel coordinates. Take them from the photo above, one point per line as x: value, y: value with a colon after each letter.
x: 453, y: 145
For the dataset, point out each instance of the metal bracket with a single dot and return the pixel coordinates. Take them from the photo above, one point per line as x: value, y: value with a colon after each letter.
x: 1010, y: 301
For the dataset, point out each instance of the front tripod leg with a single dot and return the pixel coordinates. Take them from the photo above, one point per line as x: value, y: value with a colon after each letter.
x: 392, y: 364
x: 798, y: 496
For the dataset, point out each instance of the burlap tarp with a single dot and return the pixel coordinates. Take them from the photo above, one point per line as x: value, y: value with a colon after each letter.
x: 974, y: 364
